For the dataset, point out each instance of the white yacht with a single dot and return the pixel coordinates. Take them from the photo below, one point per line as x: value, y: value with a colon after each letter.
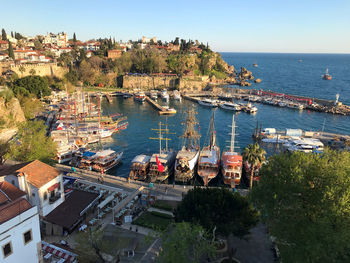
x: 231, y: 106
x: 208, y: 103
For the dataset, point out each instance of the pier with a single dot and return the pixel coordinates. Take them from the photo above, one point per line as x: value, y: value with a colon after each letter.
x: 272, y: 98
x: 161, y: 110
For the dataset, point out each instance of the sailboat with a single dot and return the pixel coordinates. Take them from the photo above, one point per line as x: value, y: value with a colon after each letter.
x: 162, y: 163
x: 187, y: 157
x: 231, y: 163
x: 209, y: 157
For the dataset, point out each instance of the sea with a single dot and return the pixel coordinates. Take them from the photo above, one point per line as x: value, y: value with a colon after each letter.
x: 298, y: 74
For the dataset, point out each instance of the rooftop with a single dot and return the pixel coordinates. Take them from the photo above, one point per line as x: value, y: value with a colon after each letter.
x: 12, y: 209
x: 68, y: 213
x: 9, y: 192
x: 37, y: 172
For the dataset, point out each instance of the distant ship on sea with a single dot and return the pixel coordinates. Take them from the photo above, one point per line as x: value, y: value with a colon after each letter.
x: 326, y: 76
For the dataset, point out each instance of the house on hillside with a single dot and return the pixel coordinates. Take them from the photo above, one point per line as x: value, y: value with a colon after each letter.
x: 42, y: 183
x: 4, y: 45
x: 20, y: 239
x: 114, y: 53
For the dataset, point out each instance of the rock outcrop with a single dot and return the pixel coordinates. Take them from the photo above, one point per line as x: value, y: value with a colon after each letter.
x: 11, y: 113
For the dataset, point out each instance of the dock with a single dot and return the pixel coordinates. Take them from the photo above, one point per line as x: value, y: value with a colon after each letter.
x: 108, y: 97
x: 161, y: 110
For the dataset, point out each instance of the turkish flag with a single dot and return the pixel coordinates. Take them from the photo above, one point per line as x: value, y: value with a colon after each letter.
x: 159, y: 164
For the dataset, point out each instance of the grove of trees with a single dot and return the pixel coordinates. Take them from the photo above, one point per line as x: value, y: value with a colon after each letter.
x: 305, y: 201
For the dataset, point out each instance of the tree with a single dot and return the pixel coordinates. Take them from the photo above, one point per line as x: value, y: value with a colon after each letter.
x: 217, y: 209
x: 304, y: 200
x: 255, y: 156
x: 32, y: 72
x: 186, y: 243
x: 94, y: 246
x: 31, y: 143
x: 11, y: 33
x: 36, y: 85
x: 10, y: 51
x: 37, y: 45
x: 3, y: 34
x: 87, y: 73
x: 74, y: 38
x: 22, y: 69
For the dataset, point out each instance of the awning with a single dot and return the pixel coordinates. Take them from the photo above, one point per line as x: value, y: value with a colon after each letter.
x: 53, y: 187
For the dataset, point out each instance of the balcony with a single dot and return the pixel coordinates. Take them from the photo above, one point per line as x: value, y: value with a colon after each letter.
x: 54, y: 198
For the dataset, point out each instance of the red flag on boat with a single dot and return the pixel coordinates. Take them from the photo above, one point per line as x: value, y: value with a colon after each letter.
x: 159, y: 164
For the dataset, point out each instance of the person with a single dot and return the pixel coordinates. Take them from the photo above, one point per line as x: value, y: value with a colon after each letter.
x: 137, y: 229
x: 166, y: 190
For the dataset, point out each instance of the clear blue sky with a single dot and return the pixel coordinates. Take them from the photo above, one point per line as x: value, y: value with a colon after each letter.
x: 240, y: 26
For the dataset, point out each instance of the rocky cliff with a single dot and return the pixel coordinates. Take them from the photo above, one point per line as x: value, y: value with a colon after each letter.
x: 11, y: 114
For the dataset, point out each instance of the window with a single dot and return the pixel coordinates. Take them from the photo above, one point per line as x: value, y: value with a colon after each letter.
x: 59, y: 187
x: 45, y: 196
x: 52, y: 194
x: 27, y: 237
x: 7, y: 249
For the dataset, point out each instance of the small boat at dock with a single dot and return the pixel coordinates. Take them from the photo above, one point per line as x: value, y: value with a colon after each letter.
x: 208, y: 103
x: 177, y: 95
x: 231, y: 106
x: 106, y: 160
x: 164, y: 95
x: 154, y: 95
x: 140, y: 97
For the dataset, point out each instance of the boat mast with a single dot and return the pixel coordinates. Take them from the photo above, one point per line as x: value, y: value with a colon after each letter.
x: 191, y: 135
x: 232, y: 146
x: 212, y: 131
x: 160, y: 138
x: 98, y: 107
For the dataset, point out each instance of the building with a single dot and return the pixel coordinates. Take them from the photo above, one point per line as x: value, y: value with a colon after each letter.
x: 146, y: 40
x: 4, y: 44
x: 42, y: 183
x: 92, y: 45
x: 20, y: 239
x: 59, y: 39
x: 114, y: 53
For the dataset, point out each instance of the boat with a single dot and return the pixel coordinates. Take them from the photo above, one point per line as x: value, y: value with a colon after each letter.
x: 66, y: 153
x: 250, y: 108
x: 140, y: 97
x: 208, y: 103
x: 168, y: 110
x: 326, y: 76
x: 255, y: 65
x: 162, y: 163
x: 231, y: 106
x: 164, y: 95
x: 209, y: 157
x: 231, y: 161
x: 187, y: 157
x: 282, y: 104
x: 304, y: 145
x: 154, y: 95
x: 140, y: 167
x: 126, y: 95
x: 106, y: 160
x: 177, y: 95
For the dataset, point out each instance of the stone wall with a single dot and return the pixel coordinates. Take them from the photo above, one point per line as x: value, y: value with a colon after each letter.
x: 44, y: 69
x: 160, y: 82
x: 148, y: 82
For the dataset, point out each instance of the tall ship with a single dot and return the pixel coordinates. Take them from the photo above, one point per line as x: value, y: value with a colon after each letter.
x: 231, y: 161
x: 326, y: 76
x: 209, y: 157
x: 187, y: 157
x: 162, y: 163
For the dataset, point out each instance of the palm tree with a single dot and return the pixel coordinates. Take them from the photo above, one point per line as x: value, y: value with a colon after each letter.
x: 255, y: 156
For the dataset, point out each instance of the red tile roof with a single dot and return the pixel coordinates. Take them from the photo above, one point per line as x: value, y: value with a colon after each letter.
x: 11, y: 191
x: 3, y: 42
x: 12, y: 209
x: 39, y: 173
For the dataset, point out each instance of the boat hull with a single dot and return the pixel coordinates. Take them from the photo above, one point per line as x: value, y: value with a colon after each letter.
x: 208, y: 167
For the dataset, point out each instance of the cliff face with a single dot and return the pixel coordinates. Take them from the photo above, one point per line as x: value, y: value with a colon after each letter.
x: 11, y: 114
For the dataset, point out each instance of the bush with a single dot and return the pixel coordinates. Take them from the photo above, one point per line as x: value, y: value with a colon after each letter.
x: 153, y: 221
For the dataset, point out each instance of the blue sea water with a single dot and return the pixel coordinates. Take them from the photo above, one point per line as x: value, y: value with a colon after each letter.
x: 279, y: 72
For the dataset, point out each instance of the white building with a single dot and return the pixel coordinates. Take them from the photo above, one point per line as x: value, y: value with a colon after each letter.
x: 20, y: 239
x: 59, y: 39
x: 42, y: 183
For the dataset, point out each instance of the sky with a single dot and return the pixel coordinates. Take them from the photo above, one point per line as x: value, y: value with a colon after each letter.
x: 286, y: 26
